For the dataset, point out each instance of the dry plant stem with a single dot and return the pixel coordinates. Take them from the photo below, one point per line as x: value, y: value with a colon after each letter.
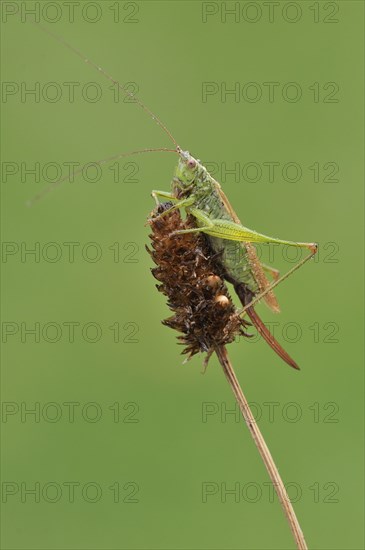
x: 262, y: 448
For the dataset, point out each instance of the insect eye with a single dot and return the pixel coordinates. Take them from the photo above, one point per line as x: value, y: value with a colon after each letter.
x: 191, y: 163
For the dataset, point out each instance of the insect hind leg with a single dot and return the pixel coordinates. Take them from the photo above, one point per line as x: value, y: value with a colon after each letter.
x: 272, y: 271
x: 313, y: 247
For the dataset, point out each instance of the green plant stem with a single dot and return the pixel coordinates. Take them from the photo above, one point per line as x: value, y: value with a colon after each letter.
x: 262, y: 448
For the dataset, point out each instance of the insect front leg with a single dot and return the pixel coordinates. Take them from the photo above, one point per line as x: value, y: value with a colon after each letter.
x: 180, y: 203
x: 163, y: 194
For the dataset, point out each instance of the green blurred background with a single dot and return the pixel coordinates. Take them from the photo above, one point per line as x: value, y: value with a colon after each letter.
x: 162, y: 448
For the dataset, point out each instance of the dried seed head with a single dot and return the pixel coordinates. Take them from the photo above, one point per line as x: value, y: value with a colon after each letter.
x: 189, y: 276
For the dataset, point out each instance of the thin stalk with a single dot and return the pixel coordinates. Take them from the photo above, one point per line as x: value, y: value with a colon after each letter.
x: 262, y: 448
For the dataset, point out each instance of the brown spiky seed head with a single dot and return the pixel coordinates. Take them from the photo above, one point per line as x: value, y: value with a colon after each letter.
x: 189, y: 275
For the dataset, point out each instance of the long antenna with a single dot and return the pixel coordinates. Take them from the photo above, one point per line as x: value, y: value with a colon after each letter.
x: 108, y: 77
x: 50, y: 187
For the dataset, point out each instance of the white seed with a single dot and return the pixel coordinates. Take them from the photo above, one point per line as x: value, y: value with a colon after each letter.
x: 222, y: 300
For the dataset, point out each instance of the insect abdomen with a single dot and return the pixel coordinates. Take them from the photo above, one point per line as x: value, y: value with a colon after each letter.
x: 234, y: 256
